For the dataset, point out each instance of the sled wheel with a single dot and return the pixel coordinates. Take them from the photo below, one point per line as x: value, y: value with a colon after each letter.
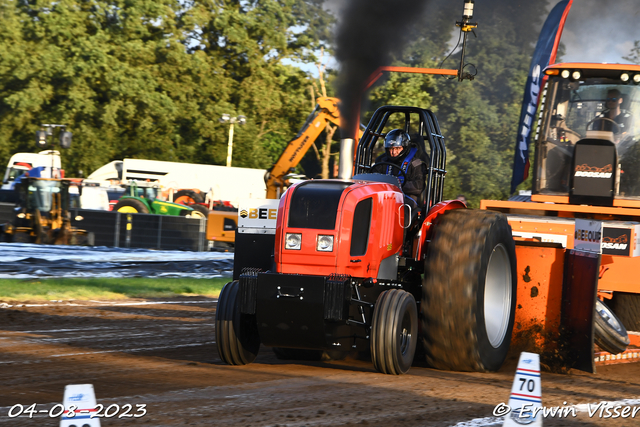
x: 187, y: 197
x: 627, y: 307
x: 237, y: 336
x: 469, y: 291
x: 130, y: 206
x: 394, y: 332
x: 610, y: 333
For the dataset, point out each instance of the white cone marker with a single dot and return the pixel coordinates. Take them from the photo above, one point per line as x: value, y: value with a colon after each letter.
x: 82, y: 399
x: 526, y: 393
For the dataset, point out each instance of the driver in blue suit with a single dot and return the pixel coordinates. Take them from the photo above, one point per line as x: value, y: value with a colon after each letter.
x: 406, y: 155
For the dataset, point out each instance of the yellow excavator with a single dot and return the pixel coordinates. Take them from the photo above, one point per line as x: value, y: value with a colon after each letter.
x: 221, y: 226
x: 276, y: 177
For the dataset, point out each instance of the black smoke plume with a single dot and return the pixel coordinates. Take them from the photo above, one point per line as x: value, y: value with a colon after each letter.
x: 370, y: 32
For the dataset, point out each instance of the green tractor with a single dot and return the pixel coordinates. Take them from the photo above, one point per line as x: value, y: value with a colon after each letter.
x: 141, y: 197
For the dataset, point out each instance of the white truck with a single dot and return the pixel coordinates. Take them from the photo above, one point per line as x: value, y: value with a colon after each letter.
x: 230, y: 184
x: 48, y: 163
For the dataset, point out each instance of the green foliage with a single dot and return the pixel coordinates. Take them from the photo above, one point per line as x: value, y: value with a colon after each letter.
x: 634, y: 55
x: 150, y: 78
x: 106, y: 288
x: 478, y: 118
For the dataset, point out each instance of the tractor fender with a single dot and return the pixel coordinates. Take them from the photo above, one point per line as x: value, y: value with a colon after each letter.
x: 425, y: 229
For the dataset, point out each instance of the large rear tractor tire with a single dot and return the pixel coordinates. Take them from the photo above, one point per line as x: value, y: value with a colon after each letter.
x: 469, y: 291
x: 610, y: 334
x: 627, y: 308
x: 237, y: 336
x: 394, y: 332
x: 187, y: 197
x: 130, y: 206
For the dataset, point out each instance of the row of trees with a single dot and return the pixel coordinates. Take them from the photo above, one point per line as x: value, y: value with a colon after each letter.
x: 151, y: 78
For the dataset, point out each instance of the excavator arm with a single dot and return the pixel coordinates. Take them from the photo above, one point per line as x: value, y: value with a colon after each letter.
x: 326, y: 111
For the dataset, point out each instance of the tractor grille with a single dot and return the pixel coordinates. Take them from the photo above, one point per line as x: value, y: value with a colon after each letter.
x: 314, y: 204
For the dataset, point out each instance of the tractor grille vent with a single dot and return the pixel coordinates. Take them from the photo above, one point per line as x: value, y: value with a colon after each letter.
x: 314, y: 204
x: 248, y: 290
x: 337, y: 293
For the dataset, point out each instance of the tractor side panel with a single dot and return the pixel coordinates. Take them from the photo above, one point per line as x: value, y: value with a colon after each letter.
x: 382, y: 214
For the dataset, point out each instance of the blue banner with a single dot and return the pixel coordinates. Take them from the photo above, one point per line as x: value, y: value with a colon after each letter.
x: 544, y: 54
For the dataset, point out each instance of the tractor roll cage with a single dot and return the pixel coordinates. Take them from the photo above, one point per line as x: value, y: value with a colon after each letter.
x: 429, y: 130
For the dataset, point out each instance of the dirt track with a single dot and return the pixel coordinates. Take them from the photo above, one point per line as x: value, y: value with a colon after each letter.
x: 164, y: 356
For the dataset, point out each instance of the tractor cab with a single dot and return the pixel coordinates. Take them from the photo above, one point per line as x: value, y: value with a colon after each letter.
x: 148, y: 191
x: 587, y: 144
x: 44, y: 195
x: 364, y: 226
x: 423, y: 128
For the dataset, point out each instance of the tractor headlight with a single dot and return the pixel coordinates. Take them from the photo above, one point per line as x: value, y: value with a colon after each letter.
x: 636, y: 78
x: 325, y: 243
x: 293, y: 241
x: 624, y: 77
x: 576, y: 75
x: 565, y: 74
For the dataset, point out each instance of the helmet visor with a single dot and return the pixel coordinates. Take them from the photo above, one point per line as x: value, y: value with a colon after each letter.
x: 396, y: 138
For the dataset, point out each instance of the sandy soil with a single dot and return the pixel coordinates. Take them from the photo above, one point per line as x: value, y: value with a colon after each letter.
x: 164, y: 356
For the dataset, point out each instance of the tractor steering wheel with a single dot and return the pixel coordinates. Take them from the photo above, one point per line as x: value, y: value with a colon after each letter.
x: 404, y: 175
x: 606, y: 119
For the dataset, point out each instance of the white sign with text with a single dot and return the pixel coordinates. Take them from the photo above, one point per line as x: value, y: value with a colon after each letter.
x: 588, y: 235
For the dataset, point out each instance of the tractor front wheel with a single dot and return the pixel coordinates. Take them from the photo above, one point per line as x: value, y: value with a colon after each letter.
x: 469, y: 291
x: 237, y: 336
x: 130, y: 206
x: 609, y: 332
x: 394, y: 332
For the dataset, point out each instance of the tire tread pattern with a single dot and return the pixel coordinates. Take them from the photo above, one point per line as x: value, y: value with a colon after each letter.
x: 626, y: 306
x: 387, y: 320
x: 449, y: 298
x: 236, y: 336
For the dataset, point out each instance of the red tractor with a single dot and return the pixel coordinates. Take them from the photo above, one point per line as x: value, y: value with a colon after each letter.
x: 351, y: 268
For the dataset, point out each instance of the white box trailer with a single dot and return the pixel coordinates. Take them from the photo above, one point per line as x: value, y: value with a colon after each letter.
x: 223, y: 183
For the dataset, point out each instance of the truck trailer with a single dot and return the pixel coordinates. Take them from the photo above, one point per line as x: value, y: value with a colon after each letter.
x: 223, y: 183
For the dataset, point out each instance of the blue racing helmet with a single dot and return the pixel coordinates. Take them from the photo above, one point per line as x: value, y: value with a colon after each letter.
x: 397, y: 138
